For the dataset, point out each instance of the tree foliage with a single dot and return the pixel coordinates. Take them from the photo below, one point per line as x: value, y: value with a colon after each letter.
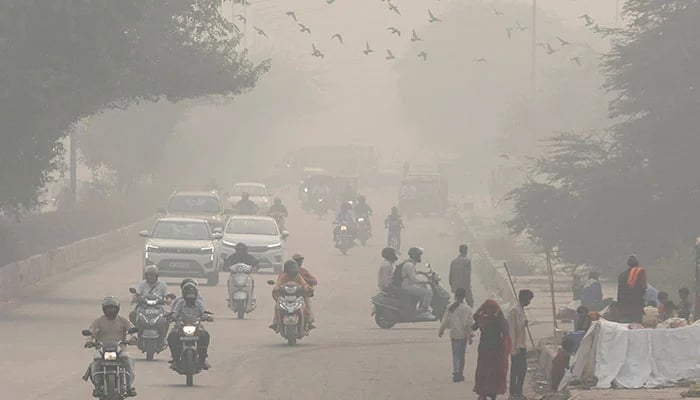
x: 68, y: 59
x: 637, y: 190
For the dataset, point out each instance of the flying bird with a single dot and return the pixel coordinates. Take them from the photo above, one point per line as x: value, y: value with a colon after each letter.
x: 260, y: 31
x: 499, y: 13
x: 520, y: 27
x: 304, y: 28
x: 479, y: 60
x: 415, y: 37
x: 316, y: 52
x: 240, y: 17
x: 394, y: 8
x: 423, y: 55
x: 293, y: 15
x: 337, y: 36
x: 550, y: 50
x: 576, y: 60
x: 432, y: 17
x: 563, y: 42
x: 367, y: 49
x: 389, y: 55
x: 394, y: 30
x: 509, y: 32
x: 504, y: 156
x: 589, y: 20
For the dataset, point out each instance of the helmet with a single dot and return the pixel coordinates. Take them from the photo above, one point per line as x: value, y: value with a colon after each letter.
x: 186, y: 281
x: 245, y: 196
x: 415, y: 253
x: 149, y: 271
x: 291, y: 267
x: 298, y: 258
x: 190, y: 292
x: 389, y: 253
x: 278, y: 201
x: 240, y: 246
x: 110, y: 307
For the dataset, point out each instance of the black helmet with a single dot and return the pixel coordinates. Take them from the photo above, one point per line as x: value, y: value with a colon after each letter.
x: 415, y: 253
x: 389, y: 253
x: 110, y: 307
x: 240, y: 246
x: 186, y: 281
x: 190, y: 292
x: 291, y: 267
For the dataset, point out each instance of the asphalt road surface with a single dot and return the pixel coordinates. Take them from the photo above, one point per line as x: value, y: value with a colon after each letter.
x: 346, y: 357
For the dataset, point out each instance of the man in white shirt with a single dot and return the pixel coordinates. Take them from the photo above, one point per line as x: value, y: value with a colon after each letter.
x: 458, y: 319
x: 517, y: 322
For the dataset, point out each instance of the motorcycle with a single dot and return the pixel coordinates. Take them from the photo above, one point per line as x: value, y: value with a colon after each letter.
x: 188, y: 363
x: 363, y: 233
x: 151, y: 321
x: 240, y: 290
x: 321, y: 206
x: 393, y: 305
x: 291, y: 306
x: 279, y: 218
x: 344, y: 240
x: 113, y: 376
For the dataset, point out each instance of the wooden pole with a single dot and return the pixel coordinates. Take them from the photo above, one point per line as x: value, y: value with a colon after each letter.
x: 550, y: 272
x: 515, y: 294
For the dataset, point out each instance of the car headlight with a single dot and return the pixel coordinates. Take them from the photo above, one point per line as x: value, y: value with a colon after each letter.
x: 189, y: 330
x: 207, y: 250
x: 266, y: 200
x: 274, y: 246
x: 110, y: 356
x: 151, y: 248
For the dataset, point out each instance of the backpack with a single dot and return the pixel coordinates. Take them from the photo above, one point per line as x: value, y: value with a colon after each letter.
x: 397, y: 277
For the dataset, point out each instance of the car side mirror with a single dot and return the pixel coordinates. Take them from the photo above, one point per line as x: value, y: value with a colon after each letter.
x: 217, y: 235
x: 284, y: 234
x: 86, y: 333
x: 271, y: 282
x: 145, y: 234
x: 132, y: 330
x: 132, y: 290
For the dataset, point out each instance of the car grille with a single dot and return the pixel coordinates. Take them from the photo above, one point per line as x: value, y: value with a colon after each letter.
x: 174, y: 250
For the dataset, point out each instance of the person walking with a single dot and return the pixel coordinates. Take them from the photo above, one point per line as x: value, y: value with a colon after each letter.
x: 458, y: 320
x: 631, y: 288
x: 461, y: 274
x: 494, y: 347
x: 517, y: 321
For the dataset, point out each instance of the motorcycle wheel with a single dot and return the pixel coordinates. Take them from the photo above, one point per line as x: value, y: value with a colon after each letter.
x: 149, y: 355
x: 290, y: 331
x: 189, y: 364
x: 343, y: 250
x: 384, y: 319
x: 241, y: 314
x: 111, y: 387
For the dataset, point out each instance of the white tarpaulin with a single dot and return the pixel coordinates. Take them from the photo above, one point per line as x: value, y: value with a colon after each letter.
x: 636, y: 358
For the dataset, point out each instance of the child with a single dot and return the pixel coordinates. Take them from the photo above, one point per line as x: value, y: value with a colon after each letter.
x: 458, y: 320
x: 560, y: 363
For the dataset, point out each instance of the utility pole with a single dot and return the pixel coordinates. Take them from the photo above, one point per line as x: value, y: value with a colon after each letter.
x: 534, y: 49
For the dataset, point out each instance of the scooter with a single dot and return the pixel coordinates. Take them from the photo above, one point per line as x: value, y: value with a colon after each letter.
x: 112, y: 377
x: 151, y: 322
x: 241, y: 299
x: 393, y: 305
x: 291, y: 306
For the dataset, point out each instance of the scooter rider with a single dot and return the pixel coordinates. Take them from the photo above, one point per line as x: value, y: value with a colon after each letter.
x: 111, y: 327
x: 241, y: 256
x: 386, y: 269
x: 149, y: 286
x: 290, y: 274
x: 312, y: 281
x: 363, y: 210
x: 410, y: 282
x: 246, y: 206
x: 278, y: 208
x: 347, y: 217
x: 193, y: 308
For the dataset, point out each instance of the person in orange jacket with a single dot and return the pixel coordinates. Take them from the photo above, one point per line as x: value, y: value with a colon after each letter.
x: 291, y: 274
x: 312, y: 281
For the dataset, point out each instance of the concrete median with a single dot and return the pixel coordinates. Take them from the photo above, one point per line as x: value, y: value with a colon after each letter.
x: 16, y: 276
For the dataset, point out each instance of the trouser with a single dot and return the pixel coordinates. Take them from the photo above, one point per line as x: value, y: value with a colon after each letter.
x: 469, y: 298
x: 423, y: 292
x: 176, y: 345
x: 309, y: 314
x: 127, y: 361
x: 518, y: 370
x: 396, y: 235
x: 459, y: 348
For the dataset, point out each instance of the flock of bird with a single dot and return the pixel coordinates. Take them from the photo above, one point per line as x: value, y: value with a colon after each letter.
x: 431, y: 18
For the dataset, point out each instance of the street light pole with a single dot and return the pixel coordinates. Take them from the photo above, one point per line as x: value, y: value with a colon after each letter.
x: 533, y: 74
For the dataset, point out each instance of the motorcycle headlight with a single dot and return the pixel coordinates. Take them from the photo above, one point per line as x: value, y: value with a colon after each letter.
x: 110, y: 356
x: 189, y: 330
x: 360, y: 220
x: 343, y: 228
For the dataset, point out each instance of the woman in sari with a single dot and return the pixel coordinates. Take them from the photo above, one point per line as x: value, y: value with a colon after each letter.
x: 494, y: 349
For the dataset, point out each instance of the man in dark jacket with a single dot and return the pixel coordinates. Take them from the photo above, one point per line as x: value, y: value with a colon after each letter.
x: 461, y: 274
x: 631, y: 287
x: 241, y: 256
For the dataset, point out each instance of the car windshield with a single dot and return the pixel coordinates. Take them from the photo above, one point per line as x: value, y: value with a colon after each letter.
x: 253, y: 190
x: 194, y: 205
x: 252, y: 227
x: 181, y: 230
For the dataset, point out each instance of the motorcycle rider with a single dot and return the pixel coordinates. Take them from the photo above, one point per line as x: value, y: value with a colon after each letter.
x: 347, y: 217
x: 149, y: 286
x: 363, y: 210
x: 241, y: 256
x: 190, y: 307
x: 290, y: 274
x: 246, y: 206
x: 394, y: 224
x: 386, y: 269
x: 410, y: 282
x: 312, y: 281
x: 278, y: 208
x: 111, y: 327
x: 181, y: 300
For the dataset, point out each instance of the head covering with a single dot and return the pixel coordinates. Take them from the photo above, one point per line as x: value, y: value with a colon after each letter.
x: 632, y: 261
x: 488, y: 311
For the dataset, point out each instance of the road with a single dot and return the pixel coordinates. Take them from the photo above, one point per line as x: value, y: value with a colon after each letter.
x: 347, y: 357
